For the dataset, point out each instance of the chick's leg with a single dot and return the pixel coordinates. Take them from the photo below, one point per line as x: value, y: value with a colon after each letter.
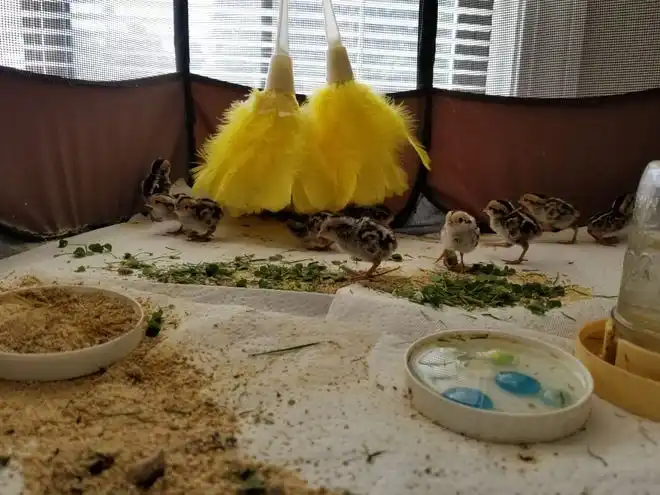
x: 462, y: 265
x: 573, y: 240
x: 369, y: 273
x: 521, y: 258
x: 442, y: 256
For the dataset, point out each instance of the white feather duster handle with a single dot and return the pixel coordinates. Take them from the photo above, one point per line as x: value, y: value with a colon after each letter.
x: 331, y: 27
x: 280, y: 73
x: 339, y: 65
x: 282, y: 39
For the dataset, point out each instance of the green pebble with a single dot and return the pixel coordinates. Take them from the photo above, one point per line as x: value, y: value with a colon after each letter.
x: 500, y: 358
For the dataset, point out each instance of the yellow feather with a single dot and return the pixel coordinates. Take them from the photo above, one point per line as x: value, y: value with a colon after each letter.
x: 250, y: 164
x: 319, y: 185
x: 360, y: 138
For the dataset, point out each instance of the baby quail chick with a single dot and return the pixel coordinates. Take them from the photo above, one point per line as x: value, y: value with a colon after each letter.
x: 161, y: 207
x: 460, y: 233
x: 199, y: 217
x: 363, y: 238
x: 515, y: 225
x: 307, y: 228
x: 158, y: 180
x: 553, y: 214
x: 625, y: 204
x: 607, y: 227
x: 380, y: 213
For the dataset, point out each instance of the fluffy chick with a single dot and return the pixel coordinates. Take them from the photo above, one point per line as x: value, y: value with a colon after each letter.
x: 307, y: 228
x: 157, y: 180
x: 460, y: 233
x: 363, y: 238
x: 199, y: 217
x: 161, y: 207
x: 379, y: 213
x: 624, y: 204
x: 554, y: 214
x: 156, y: 183
x: 609, y: 226
x: 515, y: 225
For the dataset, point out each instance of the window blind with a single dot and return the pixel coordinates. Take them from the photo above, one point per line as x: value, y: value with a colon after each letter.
x: 463, y: 44
x: 100, y: 40
x: 232, y: 40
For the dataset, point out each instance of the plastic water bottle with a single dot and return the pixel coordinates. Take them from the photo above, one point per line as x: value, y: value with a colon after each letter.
x: 637, y: 314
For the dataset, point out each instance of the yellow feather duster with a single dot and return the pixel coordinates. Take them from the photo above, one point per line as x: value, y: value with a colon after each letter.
x: 321, y: 184
x: 251, y: 163
x: 360, y: 136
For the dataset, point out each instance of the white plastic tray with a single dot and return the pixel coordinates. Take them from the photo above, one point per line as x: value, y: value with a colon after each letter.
x: 53, y: 366
x: 541, y: 424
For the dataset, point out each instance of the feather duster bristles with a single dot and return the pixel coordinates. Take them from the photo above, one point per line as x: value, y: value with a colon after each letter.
x: 251, y: 162
x: 361, y: 136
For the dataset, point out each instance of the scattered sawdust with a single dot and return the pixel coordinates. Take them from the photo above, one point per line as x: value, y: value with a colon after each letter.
x: 10, y: 283
x: 142, y: 422
x: 28, y: 281
x: 392, y: 283
x: 56, y: 320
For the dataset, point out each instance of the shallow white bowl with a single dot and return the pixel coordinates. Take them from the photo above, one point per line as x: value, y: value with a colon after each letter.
x: 493, y: 425
x: 53, y: 366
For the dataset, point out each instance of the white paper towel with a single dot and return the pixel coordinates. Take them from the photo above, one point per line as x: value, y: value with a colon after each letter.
x: 323, y: 409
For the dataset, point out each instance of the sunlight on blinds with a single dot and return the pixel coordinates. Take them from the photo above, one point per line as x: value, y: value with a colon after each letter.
x: 232, y: 40
x: 100, y: 40
x: 462, y: 44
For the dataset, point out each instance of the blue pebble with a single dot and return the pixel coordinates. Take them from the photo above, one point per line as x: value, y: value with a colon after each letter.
x: 517, y: 383
x: 555, y: 398
x: 469, y: 397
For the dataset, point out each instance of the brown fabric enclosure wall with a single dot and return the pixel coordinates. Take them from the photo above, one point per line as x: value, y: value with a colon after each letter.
x: 73, y: 155
x: 586, y: 152
x: 212, y: 99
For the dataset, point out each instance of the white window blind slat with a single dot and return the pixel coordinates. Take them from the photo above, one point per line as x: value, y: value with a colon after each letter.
x: 463, y: 45
x: 232, y: 40
x: 233, y: 37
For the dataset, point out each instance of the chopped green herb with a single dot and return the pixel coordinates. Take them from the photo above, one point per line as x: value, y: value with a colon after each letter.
x: 396, y: 257
x: 488, y: 291
x: 63, y: 243
x: 490, y: 269
x: 79, y: 252
x: 95, y: 248
x: 485, y: 286
x: 80, y: 269
x: 107, y: 247
x: 155, y: 323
